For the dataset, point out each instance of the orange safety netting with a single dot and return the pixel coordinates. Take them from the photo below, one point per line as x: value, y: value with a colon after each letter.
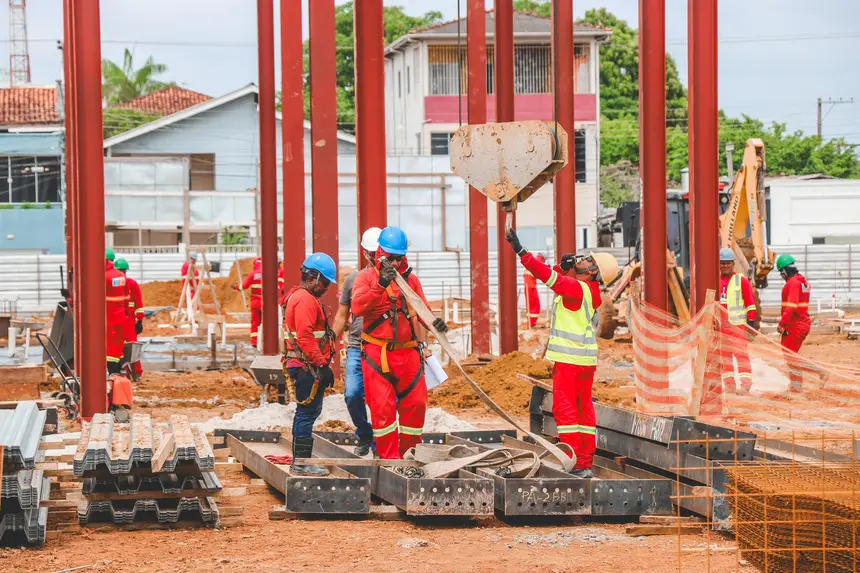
x: 709, y: 367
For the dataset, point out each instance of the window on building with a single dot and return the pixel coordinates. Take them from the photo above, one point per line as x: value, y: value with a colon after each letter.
x: 582, y: 69
x: 399, y: 86
x: 5, y: 179
x: 579, y: 149
x: 29, y: 179
x: 439, y: 143
x: 532, y: 69
x: 818, y: 240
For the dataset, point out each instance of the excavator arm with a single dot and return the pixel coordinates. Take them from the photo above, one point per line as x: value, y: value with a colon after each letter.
x: 742, y: 226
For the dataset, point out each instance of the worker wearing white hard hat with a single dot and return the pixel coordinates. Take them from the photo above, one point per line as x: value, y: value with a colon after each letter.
x: 573, y: 342
x: 354, y: 380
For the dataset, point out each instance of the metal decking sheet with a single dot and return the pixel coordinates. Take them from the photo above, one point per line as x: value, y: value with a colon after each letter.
x: 20, y: 432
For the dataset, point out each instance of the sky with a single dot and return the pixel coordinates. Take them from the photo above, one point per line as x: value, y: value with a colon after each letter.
x: 776, y: 56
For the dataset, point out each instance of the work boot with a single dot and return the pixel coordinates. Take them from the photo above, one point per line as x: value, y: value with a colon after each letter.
x: 363, y: 447
x: 582, y: 473
x: 304, y: 448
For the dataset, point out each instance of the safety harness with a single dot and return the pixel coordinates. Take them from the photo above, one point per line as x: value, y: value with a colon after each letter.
x: 393, y: 314
x: 294, y: 351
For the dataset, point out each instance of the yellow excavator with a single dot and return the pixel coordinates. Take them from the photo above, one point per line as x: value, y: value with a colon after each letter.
x: 742, y: 228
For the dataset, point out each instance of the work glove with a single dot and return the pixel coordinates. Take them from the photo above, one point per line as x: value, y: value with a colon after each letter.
x: 386, y: 275
x: 568, y: 261
x: 512, y: 238
x: 405, y: 274
x: 440, y: 325
x: 64, y: 292
x: 751, y: 324
x: 138, y: 327
x: 326, y: 376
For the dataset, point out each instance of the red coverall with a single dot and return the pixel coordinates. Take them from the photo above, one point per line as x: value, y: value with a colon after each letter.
x: 532, y: 298
x: 116, y: 298
x: 795, y: 323
x: 254, y: 281
x: 734, y: 339
x: 392, y: 363
x: 571, y: 383
x: 193, y: 282
x: 304, y: 315
x: 134, y: 312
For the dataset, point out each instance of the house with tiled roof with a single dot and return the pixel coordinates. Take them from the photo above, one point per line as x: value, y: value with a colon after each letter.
x: 426, y: 85
x: 167, y: 101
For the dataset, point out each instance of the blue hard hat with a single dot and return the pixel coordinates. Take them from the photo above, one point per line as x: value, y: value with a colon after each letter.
x: 323, y: 264
x: 727, y: 255
x: 393, y: 241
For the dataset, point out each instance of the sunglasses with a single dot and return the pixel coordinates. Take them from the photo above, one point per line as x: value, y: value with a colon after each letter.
x: 395, y: 258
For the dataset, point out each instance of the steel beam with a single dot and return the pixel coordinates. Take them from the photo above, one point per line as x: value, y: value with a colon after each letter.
x: 323, y: 81
x: 293, y: 139
x: 370, y: 117
x: 476, y: 34
x: 564, y: 186
x: 503, y: 73
x: 652, y: 149
x: 268, y: 172
x: 465, y: 495
x: 89, y: 153
x: 704, y: 152
x: 338, y: 493
x: 72, y: 198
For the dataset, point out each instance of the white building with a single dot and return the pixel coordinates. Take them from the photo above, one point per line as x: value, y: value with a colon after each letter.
x: 425, y: 102
x: 814, y: 210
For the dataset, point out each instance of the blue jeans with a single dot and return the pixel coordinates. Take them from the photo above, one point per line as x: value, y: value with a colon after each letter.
x: 303, y: 422
x: 354, y: 394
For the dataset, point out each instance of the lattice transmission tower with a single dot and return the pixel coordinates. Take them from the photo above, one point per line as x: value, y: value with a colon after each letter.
x: 19, y: 51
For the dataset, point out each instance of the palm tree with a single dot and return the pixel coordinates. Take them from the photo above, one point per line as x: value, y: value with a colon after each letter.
x: 124, y: 83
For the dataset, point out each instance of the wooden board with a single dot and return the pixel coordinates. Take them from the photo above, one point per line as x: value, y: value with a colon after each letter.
x: 26, y: 374
x: 19, y: 391
x: 664, y: 529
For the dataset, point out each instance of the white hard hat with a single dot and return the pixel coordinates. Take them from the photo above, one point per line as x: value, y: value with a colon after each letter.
x: 370, y: 239
x: 193, y: 255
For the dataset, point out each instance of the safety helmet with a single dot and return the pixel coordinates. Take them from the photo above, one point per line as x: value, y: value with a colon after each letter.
x: 370, y: 239
x: 121, y: 265
x: 192, y: 255
x: 109, y: 254
x: 783, y: 261
x: 323, y: 264
x: 607, y: 265
x: 393, y: 241
x: 727, y: 255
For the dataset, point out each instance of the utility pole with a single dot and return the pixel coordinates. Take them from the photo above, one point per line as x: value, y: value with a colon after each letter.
x: 831, y: 103
x: 730, y: 168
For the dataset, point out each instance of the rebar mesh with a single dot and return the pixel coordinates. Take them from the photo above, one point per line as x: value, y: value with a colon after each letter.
x: 796, y: 517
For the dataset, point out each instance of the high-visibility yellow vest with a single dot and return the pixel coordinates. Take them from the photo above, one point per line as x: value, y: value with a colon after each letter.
x: 572, y: 339
x: 734, y: 301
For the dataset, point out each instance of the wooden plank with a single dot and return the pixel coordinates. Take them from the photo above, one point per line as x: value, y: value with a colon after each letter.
x: 164, y: 451
x: 222, y: 454
x: 376, y: 513
x: 19, y: 391
x: 231, y: 510
x: 233, y: 492
x: 58, y: 503
x: 42, y: 404
x: 26, y: 374
x: 668, y: 519
x: 56, y: 441
x: 226, y: 468
x: 664, y: 530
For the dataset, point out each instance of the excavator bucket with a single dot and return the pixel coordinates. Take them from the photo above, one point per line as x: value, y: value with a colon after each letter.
x: 508, y: 162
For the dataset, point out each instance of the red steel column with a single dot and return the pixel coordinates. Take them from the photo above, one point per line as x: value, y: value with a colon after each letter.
x: 476, y: 38
x: 704, y: 154
x: 72, y: 202
x: 370, y: 116
x: 504, y: 88
x: 293, y: 139
x: 564, y: 186
x: 68, y: 136
x: 652, y: 149
x: 268, y: 172
x: 324, y: 132
x: 91, y: 236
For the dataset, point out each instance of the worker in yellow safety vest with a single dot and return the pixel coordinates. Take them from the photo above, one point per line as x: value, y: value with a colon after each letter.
x: 573, y: 342
x: 738, y: 298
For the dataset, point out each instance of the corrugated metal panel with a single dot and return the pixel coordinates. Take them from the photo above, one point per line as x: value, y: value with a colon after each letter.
x: 20, y: 432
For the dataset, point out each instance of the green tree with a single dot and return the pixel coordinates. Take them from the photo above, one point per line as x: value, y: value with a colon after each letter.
x: 540, y: 7
x: 123, y: 82
x: 119, y: 120
x: 397, y: 23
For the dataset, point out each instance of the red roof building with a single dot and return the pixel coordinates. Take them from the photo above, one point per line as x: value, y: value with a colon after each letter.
x: 168, y: 101
x: 28, y: 106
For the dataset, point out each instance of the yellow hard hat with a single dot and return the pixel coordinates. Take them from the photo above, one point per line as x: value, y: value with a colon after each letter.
x: 607, y: 265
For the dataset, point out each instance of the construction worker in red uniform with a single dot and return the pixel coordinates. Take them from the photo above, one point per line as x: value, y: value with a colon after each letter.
x: 392, y: 352
x: 573, y: 343
x: 116, y: 299
x: 794, y: 323
x: 254, y: 281
x: 134, y: 308
x: 187, y: 272
x: 738, y: 298
x: 532, y: 296
x: 309, y: 350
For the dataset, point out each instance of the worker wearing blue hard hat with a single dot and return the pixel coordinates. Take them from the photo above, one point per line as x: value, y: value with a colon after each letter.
x: 737, y: 297
x: 309, y: 344
x: 392, y: 346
